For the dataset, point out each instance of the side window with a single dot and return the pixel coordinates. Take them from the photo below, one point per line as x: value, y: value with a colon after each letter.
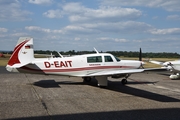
x: 108, y: 59
x: 94, y: 59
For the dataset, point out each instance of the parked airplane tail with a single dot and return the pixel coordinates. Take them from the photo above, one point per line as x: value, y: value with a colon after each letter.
x: 23, y: 54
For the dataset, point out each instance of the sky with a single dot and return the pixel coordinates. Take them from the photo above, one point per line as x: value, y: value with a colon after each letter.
x: 81, y: 25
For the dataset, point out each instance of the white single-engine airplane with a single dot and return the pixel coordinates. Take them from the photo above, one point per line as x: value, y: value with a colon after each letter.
x: 172, y: 66
x: 98, y: 65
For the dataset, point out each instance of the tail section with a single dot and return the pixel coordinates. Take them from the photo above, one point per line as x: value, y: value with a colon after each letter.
x: 23, y: 54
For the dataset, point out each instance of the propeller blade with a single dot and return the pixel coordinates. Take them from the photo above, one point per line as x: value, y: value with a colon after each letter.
x: 140, y: 58
x: 140, y: 55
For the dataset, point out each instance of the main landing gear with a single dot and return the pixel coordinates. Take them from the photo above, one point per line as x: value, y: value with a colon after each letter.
x: 124, y: 81
x: 101, y: 80
x: 87, y: 79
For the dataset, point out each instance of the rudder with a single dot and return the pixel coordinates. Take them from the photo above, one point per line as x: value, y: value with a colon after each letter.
x: 23, y: 53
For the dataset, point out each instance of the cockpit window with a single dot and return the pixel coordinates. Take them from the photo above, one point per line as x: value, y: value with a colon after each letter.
x: 94, y: 59
x: 108, y: 59
x: 117, y: 59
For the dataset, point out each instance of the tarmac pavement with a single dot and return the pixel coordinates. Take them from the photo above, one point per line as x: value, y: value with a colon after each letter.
x: 146, y: 96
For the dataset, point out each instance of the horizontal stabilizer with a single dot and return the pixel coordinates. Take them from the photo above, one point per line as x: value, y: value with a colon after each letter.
x: 14, y: 67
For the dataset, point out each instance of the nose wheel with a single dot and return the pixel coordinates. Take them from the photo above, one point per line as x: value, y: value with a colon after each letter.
x: 124, y: 81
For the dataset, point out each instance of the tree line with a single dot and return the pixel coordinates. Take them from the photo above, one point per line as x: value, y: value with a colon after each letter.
x: 115, y: 53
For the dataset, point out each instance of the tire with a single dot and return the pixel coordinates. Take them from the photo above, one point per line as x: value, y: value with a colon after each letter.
x: 124, y: 81
x: 87, y: 79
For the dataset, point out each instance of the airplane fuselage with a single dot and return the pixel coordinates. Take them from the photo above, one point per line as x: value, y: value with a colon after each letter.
x: 79, y: 65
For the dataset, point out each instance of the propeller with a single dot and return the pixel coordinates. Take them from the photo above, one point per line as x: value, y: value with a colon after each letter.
x: 140, y: 55
x: 140, y: 59
x: 168, y: 65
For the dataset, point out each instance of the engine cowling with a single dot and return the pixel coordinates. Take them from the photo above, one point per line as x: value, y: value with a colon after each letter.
x: 173, y: 77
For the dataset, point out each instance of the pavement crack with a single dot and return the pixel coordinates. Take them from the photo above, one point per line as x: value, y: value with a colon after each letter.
x: 39, y: 98
x: 44, y: 104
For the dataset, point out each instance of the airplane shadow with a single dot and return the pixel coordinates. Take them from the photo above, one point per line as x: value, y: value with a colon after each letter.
x: 47, y: 84
x: 164, y: 74
x: 113, y: 86
x: 117, y: 86
x: 142, y: 114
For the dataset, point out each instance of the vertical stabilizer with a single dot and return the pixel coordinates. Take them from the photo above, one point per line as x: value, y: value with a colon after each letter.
x: 23, y: 53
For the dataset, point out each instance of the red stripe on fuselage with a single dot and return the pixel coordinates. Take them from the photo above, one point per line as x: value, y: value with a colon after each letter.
x: 14, y: 57
x: 75, y: 69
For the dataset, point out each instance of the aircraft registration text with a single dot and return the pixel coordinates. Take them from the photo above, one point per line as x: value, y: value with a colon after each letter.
x: 58, y: 64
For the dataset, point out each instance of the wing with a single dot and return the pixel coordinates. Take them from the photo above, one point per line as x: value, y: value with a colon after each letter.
x: 156, y: 69
x: 156, y: 62
x: 167, y: 67
x: 114, y: 72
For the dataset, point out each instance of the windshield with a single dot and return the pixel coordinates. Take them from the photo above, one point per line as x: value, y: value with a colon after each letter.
x: 117, y: 59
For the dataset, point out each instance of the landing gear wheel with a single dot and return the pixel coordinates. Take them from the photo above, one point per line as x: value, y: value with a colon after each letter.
x: 124, y: 81
x: 87, y: 79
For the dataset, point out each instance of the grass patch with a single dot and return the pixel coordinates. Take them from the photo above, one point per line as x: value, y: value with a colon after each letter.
x: 4, y: 61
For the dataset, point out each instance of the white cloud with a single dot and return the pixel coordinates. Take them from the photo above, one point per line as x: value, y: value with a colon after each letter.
x: 113, y: 14
x: 155, y: 17
x: 3, y: 30
x: 39, y: 29
x: 77, y: 38
x: 120, y: 40
x: 128, y: 27
x: 79, y: 13
x: 129, y: 2
x: 78, y: 28
x: 19, y: 34
x: 40, y: 2
x: 173, y: 17
x: 169, y: 5
x: 169, y: 31
x: 53, y: 14
x: 10, y: 10
x: 113, y: 39
x: 73, y: 7
x: 35, y: 28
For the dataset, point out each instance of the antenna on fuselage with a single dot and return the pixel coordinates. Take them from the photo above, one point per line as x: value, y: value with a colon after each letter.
x: 51, y: 55
x: 96, y: 51
x: 59, y: 54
